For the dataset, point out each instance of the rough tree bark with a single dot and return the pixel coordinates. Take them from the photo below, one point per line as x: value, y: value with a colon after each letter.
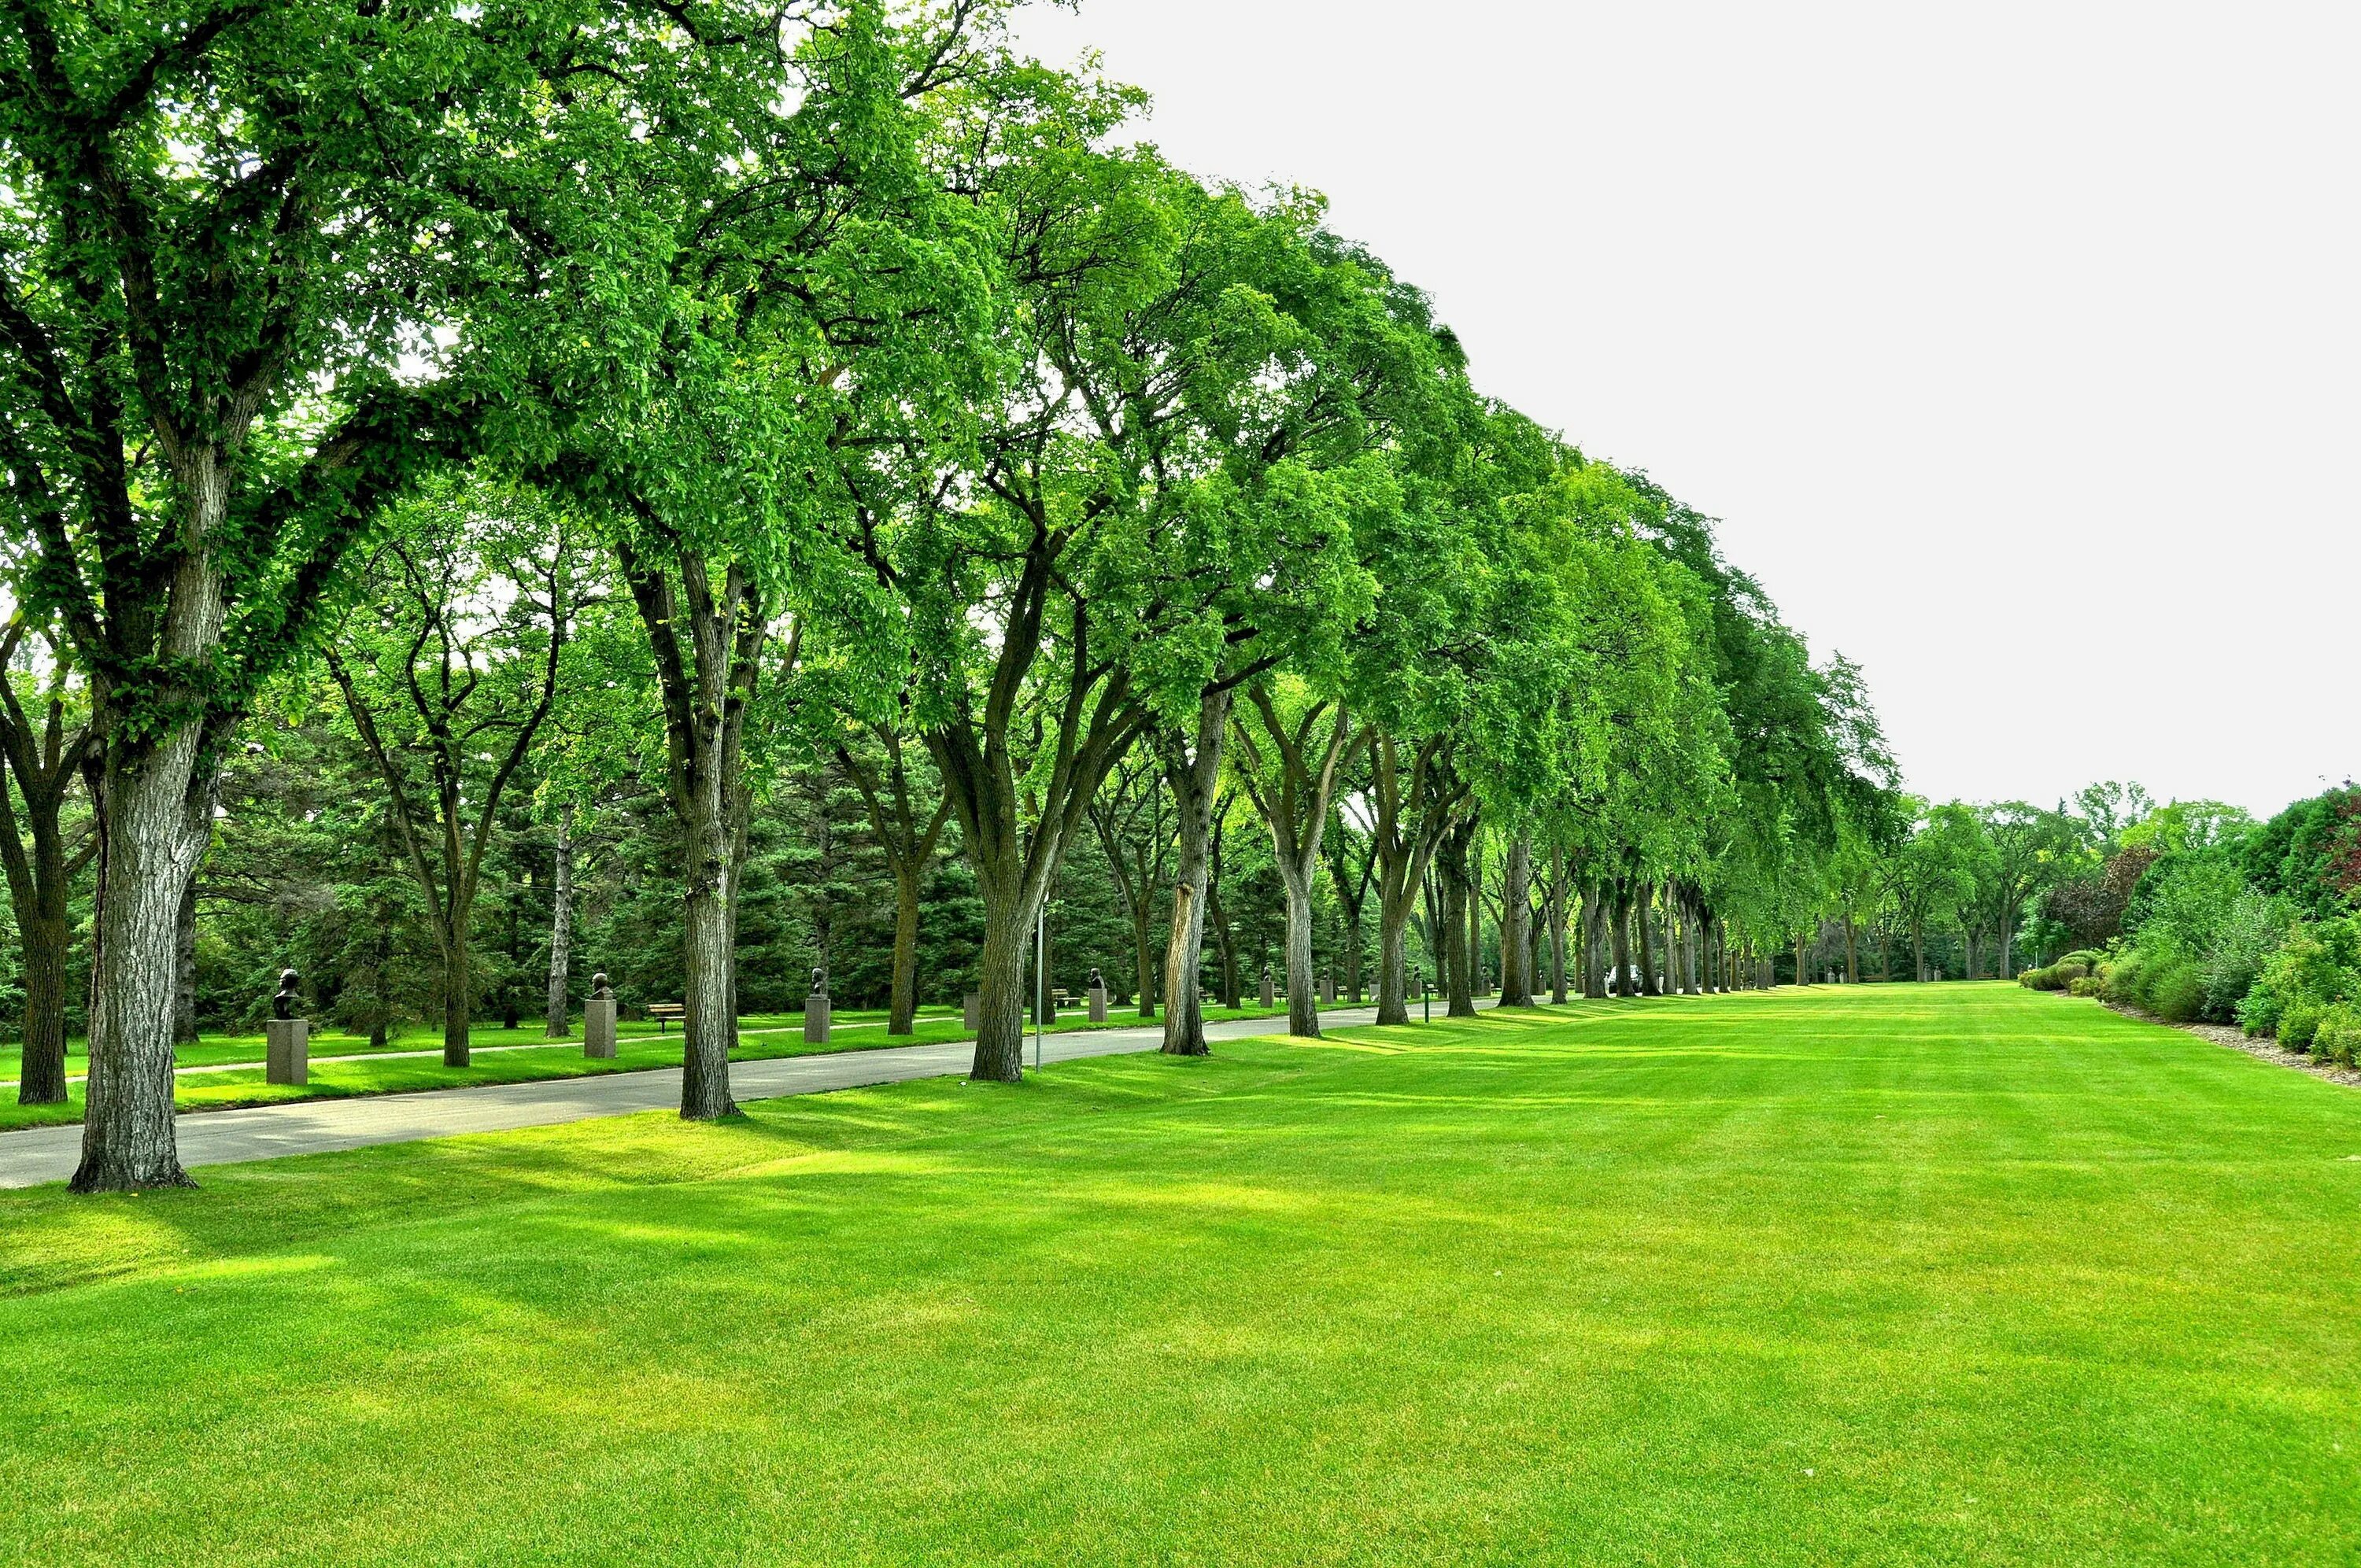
x: 557, y: 1012
x: 1452, y: 879
x: 1193, y: 770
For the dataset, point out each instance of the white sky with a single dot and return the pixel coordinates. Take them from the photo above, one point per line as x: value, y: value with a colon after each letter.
x: 2016, y: 344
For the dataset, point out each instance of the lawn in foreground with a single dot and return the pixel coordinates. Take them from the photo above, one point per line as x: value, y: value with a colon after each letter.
x: 1874, y: 1274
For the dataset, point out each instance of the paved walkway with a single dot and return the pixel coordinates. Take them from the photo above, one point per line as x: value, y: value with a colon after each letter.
x: 317, y: 1126
x: 478, y: 1050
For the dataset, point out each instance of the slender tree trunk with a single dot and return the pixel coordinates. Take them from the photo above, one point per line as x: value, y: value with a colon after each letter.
x: 1620, y: 936
x: 708, y: 991
x: 1474, y: 883
x: 41, y: 1077
x: 1644, y: 908
x: 1352, y: 955
x: 902, y: 1010
x: 1194, y: 777
x: 1459, y: 925
x: 458, y: 981
x: 1589, y: 934
x: 1557, y: 928
x: 1918, y: 951
x: 558, y: 1012
x: 1853, y: 958
x: 1516, y: 921
x: 1144, y: 960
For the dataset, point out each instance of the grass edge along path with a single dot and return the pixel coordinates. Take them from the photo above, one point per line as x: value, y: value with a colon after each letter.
x: 1971, y: 1275
x: 238, y: 1085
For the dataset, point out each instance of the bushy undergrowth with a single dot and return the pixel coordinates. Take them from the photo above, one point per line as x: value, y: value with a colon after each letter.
x: 2311, y: 975
x: 2062, y: 974
x: 2253, y: 927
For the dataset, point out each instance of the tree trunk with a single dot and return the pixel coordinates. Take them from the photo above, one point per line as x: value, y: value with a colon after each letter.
x: 41, y: 1076
x: 1194, y: 778
x: 1644, y: 909
x: 1474, y: 885
x: 708, y: 1022
x: 1557, y: 928
x: 1918, y: 951
x: 1393, y: 960
x: 1000, y: 1033
x: 558, y: 1012
x: 1353, y: 956
x: 1302, y: 987
x: 1459, y: 925
x: 153, y: 832
x: 1588, y: 935
x: 1516, y: 921
x: 902, y: 1008
x: 456, y: 983
x: 1619, y: 939
x: 1145, y: 962
x: 184, y: 968
x: 1853, y: 958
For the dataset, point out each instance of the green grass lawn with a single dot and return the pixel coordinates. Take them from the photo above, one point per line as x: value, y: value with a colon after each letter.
x: 1874, y: 1274
x: 503, y: 1055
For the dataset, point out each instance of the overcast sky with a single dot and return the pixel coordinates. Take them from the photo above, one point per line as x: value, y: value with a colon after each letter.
x: 2016, y: 344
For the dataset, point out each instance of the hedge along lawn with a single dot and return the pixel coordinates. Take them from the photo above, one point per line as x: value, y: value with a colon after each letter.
x: 508, y: 1056
x: 1947, y: 1275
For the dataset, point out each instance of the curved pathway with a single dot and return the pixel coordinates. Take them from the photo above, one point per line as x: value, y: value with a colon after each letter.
x: 317, y: 1126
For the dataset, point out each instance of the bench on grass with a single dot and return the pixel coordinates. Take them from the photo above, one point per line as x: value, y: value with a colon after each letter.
x: 664, y: 1013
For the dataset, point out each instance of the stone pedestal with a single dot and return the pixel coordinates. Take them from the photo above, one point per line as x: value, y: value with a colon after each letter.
x: 1269, y: 991
x: 971, y: 1010
x: 287, y: 1050
x: 598, y: 1028
x: 1098, y: 999
x: 815, y: 1020
x: 1328, y: 991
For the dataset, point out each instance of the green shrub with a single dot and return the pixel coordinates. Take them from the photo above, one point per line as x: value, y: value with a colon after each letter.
x: 2055, y: 977
x: 2299, y: 1022
x: 2119, y: 979
x: 2317, y: 965
x: 2254, y: 929
x: 2339, y: 1034
x: 2175, y: 989
x: 2086, y: 985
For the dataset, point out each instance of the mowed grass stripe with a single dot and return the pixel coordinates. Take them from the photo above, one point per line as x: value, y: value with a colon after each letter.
x: 1958, y: 1274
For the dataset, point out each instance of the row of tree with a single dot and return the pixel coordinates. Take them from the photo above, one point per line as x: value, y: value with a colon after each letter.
x: 589, y: 396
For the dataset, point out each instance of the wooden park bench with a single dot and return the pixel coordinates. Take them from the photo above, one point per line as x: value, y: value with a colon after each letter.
x: 664, y: 1013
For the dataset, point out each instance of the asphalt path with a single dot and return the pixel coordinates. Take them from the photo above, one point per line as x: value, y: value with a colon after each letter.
x: 38, y: 1155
